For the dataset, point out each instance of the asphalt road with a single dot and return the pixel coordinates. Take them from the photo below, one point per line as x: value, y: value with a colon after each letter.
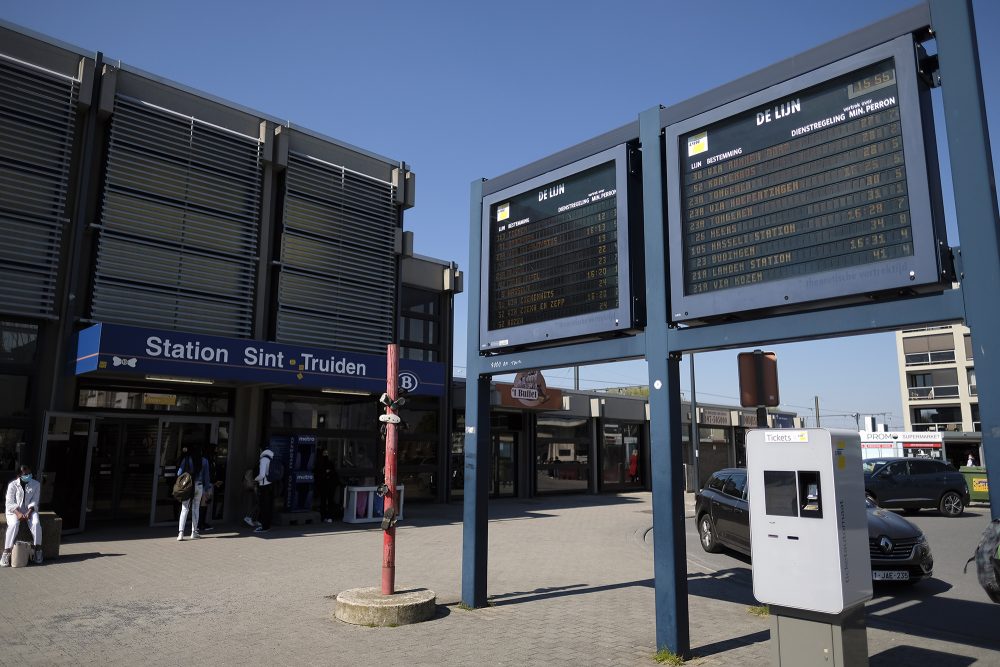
x: 950, y: 605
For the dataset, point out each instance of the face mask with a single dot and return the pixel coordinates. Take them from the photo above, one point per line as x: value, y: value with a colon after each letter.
x: 26, y: 478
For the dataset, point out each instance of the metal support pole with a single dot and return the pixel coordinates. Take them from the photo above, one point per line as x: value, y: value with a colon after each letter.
x: 389, y: 506
x: 974, y: 187
x: 669, y: 547
x: 476, y: 473
x: 758, y: 362
x: 695, y: 436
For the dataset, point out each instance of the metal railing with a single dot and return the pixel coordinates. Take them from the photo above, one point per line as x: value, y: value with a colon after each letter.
x: 932, y: 393
x: 920, y: 358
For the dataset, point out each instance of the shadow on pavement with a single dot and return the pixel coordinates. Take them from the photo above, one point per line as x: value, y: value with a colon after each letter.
x: 76, y: 558
x: 549, y: 592
x: 912, y: 656
x: 920, y: 611
x: 731, y: 585
x: 730, y: 644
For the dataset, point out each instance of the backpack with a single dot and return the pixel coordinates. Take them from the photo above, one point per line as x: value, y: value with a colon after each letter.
x: 184, y: 487
x: 275, y: 469
x: 987, y: 559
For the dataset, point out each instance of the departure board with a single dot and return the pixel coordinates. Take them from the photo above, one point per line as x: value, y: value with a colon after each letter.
x: 555, y: 255
x: 824, y: 189
x: 808, y: 191
x: 554, y: 250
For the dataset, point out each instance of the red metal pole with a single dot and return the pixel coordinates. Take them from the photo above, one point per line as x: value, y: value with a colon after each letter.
x: 389, y: 537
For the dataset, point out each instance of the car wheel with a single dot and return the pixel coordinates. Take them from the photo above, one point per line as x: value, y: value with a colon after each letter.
x: 951, y: 504
x: 706, y: 532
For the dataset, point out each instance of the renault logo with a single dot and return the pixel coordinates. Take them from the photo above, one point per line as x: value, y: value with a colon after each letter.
x: 885, y: 545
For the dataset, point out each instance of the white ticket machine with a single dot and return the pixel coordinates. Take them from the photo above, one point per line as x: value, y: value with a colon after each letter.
x: 808, y: 526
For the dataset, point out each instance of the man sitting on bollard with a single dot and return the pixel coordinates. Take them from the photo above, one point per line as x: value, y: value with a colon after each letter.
x: 22, y: 505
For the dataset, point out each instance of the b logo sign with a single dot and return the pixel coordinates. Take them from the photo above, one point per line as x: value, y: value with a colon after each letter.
x: 408, y: 382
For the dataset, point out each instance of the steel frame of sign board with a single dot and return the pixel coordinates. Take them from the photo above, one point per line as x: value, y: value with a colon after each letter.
x: 662, y: 344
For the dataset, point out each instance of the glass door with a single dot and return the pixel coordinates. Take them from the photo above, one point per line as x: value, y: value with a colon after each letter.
x: 178, y: 437
x: 64, y: 465
x: 503, y: 472
x: 121, y: 470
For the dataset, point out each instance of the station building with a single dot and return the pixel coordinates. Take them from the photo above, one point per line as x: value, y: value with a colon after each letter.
x: 178, y: 270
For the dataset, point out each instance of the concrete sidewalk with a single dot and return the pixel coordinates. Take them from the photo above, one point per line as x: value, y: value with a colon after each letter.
x: 570, y: 583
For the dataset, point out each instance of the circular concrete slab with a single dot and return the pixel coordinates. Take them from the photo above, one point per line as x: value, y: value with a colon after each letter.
x: 367, y: 606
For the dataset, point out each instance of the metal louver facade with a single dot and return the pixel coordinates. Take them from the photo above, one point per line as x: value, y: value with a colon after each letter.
x: 38, y: 109
x: 180, y: 212
x: 338, y: 276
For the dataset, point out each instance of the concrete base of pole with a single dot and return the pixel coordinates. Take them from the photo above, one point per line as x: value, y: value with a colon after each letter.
x: 367, y: 606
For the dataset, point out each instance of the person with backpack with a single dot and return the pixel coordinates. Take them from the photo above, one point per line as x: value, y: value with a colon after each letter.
x: 269, y: 472
x: 195, y: 465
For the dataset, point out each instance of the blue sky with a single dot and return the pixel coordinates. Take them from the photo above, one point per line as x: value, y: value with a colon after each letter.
x: 463, y: 90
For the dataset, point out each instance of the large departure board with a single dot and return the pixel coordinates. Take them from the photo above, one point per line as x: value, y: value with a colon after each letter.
x: 810, y: 189
x: 555, y: 255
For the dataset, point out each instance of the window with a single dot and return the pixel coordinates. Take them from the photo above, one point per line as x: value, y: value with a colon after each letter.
x: 18, y: 342
x: 920, y: 467
x: 735, y: 486
x: 717, y: 481
x: 420, y: 325
x: 939, y: 348
x: 13, y: 395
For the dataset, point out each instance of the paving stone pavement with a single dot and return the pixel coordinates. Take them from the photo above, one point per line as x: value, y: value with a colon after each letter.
x: 570, y: 583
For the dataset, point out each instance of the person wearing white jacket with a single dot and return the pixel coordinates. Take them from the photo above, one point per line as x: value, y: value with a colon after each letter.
x: 265, y: 491
x: 22, y: 505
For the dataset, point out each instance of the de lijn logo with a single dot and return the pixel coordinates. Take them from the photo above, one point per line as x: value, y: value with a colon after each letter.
x: 408, y: 382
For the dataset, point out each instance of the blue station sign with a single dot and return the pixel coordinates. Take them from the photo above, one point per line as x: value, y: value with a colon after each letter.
x: 139, y: 351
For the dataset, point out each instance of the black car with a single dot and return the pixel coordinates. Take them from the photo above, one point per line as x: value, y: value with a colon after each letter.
x: 914, y: 483
x: 898, y: 549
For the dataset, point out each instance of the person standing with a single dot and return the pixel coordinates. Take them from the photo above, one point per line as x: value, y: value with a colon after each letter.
x: 197, y: 466
x: 265, y: 491
x: 22, y: 505
x: 327, y: 483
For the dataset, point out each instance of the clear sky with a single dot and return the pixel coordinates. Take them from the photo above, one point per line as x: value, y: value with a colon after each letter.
x: 468, y: 90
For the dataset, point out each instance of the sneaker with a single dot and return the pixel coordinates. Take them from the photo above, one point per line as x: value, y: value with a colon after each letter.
x: 180, y: 536
x: 5, y: 559
x: 195, y: 536
x: 38, y: 556
x: 327, y: 520
x: 248, y: 521
x: 260, y: 529
x: 257, y: 524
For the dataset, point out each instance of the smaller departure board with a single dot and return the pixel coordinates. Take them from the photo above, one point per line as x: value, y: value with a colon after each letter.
x: 553, y: 253
x: 811, y: 188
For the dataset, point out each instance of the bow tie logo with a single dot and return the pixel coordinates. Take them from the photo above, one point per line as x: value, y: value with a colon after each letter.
x: 118, y: 361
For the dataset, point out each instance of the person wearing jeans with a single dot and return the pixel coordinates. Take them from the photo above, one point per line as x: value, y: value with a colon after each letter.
x: 199, y: 473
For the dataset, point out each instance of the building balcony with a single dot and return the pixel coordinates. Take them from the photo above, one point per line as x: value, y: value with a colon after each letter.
x: 924, y: 358
x: 932, y: 393
x: 940, y: 426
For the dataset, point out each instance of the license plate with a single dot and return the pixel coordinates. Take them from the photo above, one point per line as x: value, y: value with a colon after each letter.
x: 890, y: 575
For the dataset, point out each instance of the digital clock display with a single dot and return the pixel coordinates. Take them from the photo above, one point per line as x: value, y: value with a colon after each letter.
x: 812, y: 182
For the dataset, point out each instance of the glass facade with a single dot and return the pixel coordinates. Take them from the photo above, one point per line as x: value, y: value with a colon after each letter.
x: 562, y: 454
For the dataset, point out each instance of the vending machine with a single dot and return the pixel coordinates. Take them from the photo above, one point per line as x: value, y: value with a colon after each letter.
x: 809, y: 542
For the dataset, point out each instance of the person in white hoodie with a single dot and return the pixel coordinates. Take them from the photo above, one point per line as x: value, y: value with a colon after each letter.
x: 265, y: 491
x: 22, y: 505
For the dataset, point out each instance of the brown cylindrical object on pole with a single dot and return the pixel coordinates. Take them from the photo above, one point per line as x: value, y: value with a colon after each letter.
x: 389, y: 502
